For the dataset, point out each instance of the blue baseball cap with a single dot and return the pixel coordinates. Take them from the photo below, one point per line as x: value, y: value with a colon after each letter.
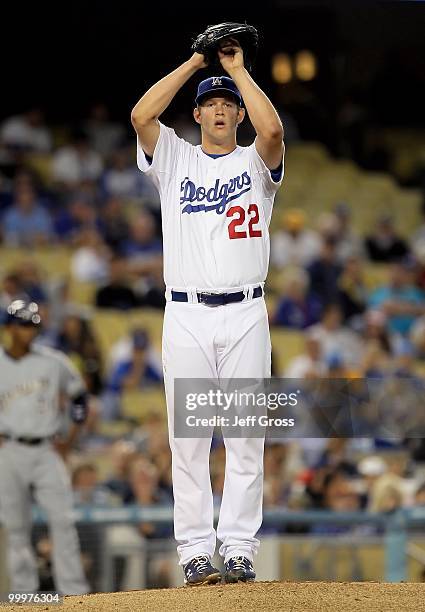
x: 217, y: 84
x: 21, y: 312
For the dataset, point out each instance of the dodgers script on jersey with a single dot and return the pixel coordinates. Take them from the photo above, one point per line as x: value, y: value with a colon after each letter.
x: 30, y: 389
x: 215, y: 213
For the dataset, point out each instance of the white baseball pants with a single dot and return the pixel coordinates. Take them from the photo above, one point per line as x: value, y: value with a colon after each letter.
x: 231, y: 341
x: 20, y: 467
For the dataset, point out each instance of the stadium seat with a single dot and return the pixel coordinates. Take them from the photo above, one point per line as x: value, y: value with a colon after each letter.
x: 53, y: 261
x: 114, y: 430
x: 82, y: 293
x: 138, y: 404
x: 41, y: 164
x: 111, y: 325
x: 375, y: 275
x: 286, y: 344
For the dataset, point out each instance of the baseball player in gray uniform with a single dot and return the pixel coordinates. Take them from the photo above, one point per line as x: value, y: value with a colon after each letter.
x: 34, y: 384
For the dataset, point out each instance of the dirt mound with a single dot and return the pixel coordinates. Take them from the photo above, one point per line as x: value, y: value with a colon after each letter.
x: 255, y: 597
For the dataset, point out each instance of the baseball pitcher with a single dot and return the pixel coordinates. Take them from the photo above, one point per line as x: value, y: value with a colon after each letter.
x: 216, y: 201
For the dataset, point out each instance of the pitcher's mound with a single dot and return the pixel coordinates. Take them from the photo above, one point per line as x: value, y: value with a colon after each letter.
x: 255, y: 597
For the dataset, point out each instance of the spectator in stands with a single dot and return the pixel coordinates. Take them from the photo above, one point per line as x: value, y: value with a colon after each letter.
x: 143, y: 478
x: 76, y: 163
x: 89, y: 263
x: 328, y: 226
x: 387, y: 494
x: 123, y: 350
x: 274, y: 475
x: 336, y: 367
x: 324, y: 272
x: 336, y: 339
x: 121, y: 178
x: 24, y: 178
x: 349, y: 243
x: 371, y: 468
x: 158, y: 448
x: 143, y: 481
x: 78, y: 341
x: 339, y: 494
x: 114, y: 224
x: 26, y: 222
x: 11, y: 289
x: 376, y: 359
x: 87, y: 488
x: 385, y: 245
x: 150, y: 285
x: 117, y: 293
x: 298, y: 308
x: 400, y: 300
x: 104, y: 135
x: 309, y: 364
x: 32, y: 282
x: 294, y: 244
x: 336, y: 455
x: 351, y: 288
x: 122, y: 453
x: 143, y: 244
x: 336, y: 495
x: 144, y: 252
x: 77, y: 216
x: 420, y: 495
x: 404, y: 360
x: 26, y: 132
x: 137, y: 371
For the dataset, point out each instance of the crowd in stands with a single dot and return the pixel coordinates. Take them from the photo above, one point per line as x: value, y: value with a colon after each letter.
x: 97, y: 203
x: 325, y: 290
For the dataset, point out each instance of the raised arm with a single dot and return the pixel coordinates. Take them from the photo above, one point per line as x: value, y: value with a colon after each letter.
x: 263, y: 115
x: 144, y: 115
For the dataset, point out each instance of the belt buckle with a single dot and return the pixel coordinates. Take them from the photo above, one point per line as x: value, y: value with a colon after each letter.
x: 210, y: 293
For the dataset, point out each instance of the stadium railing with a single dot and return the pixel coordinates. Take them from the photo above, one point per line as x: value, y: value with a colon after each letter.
x: 395, y: 527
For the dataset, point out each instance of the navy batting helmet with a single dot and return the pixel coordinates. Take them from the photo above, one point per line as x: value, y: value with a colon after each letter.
x: 20, y: 312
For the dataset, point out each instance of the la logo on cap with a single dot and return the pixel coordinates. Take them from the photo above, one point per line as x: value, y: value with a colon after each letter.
x: 216, y: 81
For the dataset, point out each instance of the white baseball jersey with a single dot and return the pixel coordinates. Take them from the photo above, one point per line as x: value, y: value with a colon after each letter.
x: 30, y: 391
x: 215, y: 213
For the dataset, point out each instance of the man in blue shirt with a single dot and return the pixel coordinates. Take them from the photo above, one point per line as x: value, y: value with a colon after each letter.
x: 26, y: 223
x: 400, y: 300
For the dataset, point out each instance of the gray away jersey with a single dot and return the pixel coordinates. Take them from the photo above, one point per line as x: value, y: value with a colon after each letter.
x: 30, y: 391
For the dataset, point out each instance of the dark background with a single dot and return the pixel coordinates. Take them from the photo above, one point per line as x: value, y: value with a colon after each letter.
x: 65, y: 56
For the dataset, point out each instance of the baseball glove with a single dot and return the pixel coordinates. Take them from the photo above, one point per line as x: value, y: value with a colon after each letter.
x: 209, y: 41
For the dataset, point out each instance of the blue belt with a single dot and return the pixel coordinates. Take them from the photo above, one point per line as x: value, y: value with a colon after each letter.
x: 215, y: 299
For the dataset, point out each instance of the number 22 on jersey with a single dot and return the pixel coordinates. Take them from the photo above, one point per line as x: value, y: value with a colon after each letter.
x: 237, y: 227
